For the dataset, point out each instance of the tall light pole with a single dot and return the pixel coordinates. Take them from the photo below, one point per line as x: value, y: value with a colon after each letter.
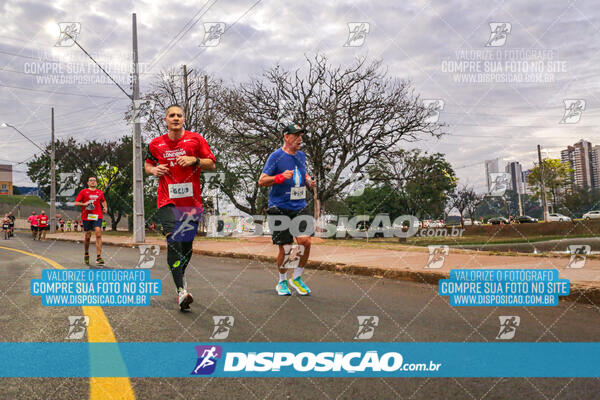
x: 7, y: 125
x: 52, y: 179
x: 139, y: 229
x: 139, y: 233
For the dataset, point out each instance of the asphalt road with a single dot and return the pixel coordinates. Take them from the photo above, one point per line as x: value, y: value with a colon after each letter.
x: 408, y: 312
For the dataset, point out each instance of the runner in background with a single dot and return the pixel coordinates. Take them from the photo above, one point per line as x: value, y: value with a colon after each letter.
x: 11, y: 231
x: 92, y: 203
x: 69, y: 225
x: 33, y: 224
x: 61, y: 222
x: 42, y: 225
x: 6, y: 227
x: 76, y: 225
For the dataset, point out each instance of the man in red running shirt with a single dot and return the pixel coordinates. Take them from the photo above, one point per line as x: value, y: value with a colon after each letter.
x: 92, y: 203
x: 42, y: 225
x: 177, y: 159
x: 33, y: 223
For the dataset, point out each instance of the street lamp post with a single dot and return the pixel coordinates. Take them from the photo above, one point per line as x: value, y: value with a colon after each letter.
x: 7, y: 125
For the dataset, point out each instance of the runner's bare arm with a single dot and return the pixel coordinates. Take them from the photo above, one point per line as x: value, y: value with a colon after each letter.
x: 206, y: 164
x: 104, y: 206
x: 158, y: 170
x: 266, y: 180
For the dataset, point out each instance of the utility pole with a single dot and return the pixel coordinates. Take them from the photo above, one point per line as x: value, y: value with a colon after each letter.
x: 52, y: 179
x: 539, y: 149
x: 139, y: 229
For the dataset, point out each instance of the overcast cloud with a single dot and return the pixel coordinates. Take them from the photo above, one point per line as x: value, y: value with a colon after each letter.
x: 419, y: 41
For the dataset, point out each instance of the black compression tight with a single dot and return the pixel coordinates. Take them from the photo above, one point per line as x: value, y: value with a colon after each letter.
x: 178, y: 258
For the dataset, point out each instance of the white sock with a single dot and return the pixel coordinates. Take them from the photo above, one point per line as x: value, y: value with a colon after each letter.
x: 298, y: 272
x: 282, y: 277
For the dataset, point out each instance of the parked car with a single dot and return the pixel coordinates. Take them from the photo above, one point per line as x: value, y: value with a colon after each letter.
x: 526, y: 219
x: 591, y: 215
x: 555, y: 217
x: 498, y: 220
x: 467, y: 221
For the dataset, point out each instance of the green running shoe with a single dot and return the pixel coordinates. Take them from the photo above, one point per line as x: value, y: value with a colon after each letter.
x: 283, y: 289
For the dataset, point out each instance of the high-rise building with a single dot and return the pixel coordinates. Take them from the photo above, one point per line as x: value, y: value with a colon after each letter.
x: 580, y: 157
x: 516, y: 177
x: 490, y: 167
x: 526, y: 188
x: 596, y: 167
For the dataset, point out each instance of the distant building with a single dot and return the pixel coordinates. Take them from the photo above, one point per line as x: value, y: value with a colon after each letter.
x: 527, y: 189
x: 580, y: 157
x: 6, y: 180
x: 490, y: 167
x: 596, y: 167
x: 516, y: 177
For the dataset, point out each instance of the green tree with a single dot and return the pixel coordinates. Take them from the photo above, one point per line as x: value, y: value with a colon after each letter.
x: 381, y: 199
x: 465, y: 200
x: 110, y: 161
x: 423, y: 181
x: 556, y: 175
x: 579, y: 201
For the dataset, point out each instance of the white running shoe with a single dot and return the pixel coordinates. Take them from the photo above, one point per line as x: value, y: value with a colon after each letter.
x: 185, y: 299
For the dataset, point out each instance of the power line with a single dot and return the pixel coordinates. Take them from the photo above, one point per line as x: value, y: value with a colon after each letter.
x: 171, y: 43
x: 63, y: 93
x: 231, y: 26
x: 32, y: 58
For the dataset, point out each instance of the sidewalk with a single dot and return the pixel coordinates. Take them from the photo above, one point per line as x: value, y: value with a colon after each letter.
x: 403, y: 265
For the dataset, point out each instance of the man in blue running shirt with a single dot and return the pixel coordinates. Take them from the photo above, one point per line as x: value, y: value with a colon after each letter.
x: 285, y: 174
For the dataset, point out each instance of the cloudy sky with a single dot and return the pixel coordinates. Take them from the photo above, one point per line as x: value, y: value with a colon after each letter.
x: 502, y: 93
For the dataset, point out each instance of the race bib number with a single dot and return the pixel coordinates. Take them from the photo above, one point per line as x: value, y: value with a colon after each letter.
x: 179, y: 190
x: 298, y: 193
x: 93, y: 217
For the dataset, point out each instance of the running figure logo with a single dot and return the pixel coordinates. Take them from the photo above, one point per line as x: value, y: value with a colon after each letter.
x: 187, y: 226
x: 499, y: 33
x: 77, y: 327
x: 207, y: 359
x: 69, y: 31
x: 437, y: 256
x: 148, y: 254
x: 357, y: 34
x: 292, y: 252
x: 499, y: 183
x: 573, y: 110
x: 578, y: 255
x: 433, y: 108
x: 366, y: 326
x: 357, y: 185
x: 508, y: 327
x: 212, y: 34
x: 223, y: 325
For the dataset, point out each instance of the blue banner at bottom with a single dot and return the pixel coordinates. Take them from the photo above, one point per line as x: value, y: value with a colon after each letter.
x: 295, y: 359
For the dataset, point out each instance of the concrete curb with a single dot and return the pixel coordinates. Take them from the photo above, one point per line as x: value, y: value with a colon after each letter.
x: 579, y: 293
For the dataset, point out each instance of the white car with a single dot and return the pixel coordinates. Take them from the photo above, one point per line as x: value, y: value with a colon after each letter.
x: 558, y: 218
x: 591, y: 215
